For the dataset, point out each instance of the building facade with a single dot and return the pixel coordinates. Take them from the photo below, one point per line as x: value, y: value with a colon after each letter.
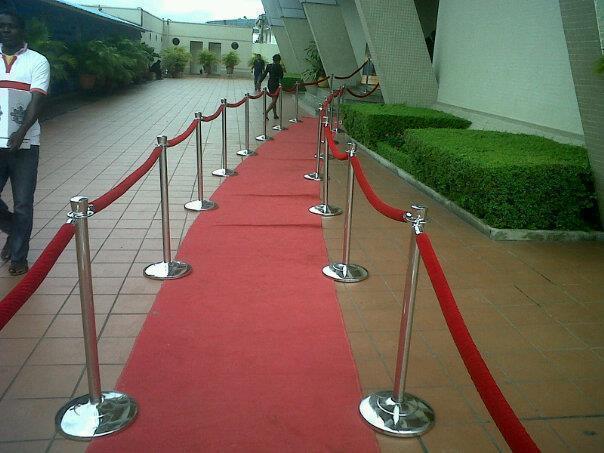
x: 218, y: 38
x: 514, y: 66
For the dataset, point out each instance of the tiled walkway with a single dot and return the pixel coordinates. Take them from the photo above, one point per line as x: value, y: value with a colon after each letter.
x: 536, y: 310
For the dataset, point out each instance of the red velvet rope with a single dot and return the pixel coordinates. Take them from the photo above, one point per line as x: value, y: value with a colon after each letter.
x: 316, y: 82
x: 332, y: 144
x: 21, y: 293
x: 290, y: 90
x: 512, y: 430
x: 258, y: 96
x: 105, y: 200
x: 213, y: 116
x: 348, y: 77
x: 180, y: 138
x: 236, y: 104
x: 374, y: 200
x: 364, y: 95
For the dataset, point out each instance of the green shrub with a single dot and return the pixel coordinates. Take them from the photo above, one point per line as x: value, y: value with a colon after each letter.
x: 507, y: 180
x: 369, y: 123
x: 289, y: 80
x: 174, y: 60
x: 62, y: 62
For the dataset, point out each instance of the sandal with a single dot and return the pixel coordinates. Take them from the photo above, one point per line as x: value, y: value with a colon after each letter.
x: 18, y: 269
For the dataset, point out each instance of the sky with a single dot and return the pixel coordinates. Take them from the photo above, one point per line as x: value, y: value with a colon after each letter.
x: 190, y: 10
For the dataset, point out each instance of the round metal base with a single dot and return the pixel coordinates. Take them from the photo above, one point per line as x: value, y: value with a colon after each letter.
x: 246, y: 152
x: 325, y: 210
x: 313, y: 176
x: 167, y: 271
x: 279, y: 128
x: 224, y: 172
x: 411, y: 418
x: 295, y: 120
x: 82, y: 420
x: 200, y: 205
x: 346, y: 273
x: 263, y: 138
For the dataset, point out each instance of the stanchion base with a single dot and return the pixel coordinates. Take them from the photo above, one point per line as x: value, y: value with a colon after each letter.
x: 325, y: 210
x: 82, y: 420
x: 224, y: 172
x: 200, y: 205
x: 411, y: 418
x: 279, y: 128
x: 295, y: 120
x: 263, y: 138
x: 167, y: 271
x: 246, y: 152
x: 345, y: 273
x: 313, y: 176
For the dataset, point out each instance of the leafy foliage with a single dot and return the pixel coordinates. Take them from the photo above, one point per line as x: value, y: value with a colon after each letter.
x: 600, y: 65
x: 315, y: 71
x: 207, y: 58
x: 231, y: 59
x: 370, y: 122
x: 62, y: 62
x: 289, y: 80
x: 174, y: 60
x: 507, y: 180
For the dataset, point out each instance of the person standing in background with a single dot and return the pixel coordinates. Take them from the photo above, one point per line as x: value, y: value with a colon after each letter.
x: 24, y: 74
x: 275, y: 75
x: 258, y: 69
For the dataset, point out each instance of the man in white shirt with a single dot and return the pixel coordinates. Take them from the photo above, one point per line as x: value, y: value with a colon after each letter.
x: 28, y: 73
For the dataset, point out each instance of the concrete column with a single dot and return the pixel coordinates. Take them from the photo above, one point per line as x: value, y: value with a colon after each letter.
x: 329, y: 32
x: 300, y: 37
x: 285, y: 49
x: 398, y: 49
x: 584, y: 48
x: 355, y: 29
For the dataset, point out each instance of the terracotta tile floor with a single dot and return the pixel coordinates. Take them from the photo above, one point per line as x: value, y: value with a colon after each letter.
x: 536, y: 310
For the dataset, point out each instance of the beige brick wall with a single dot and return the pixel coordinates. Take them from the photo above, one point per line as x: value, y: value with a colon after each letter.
x: 584, y: 48
x: 399, y: 51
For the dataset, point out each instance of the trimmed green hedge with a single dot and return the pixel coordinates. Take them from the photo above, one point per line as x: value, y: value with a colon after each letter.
x: 289, y: 80
x: 369, y: 122
x: 507, y: 180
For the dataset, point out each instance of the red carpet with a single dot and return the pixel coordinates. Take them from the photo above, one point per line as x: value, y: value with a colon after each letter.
x: 249, y: 353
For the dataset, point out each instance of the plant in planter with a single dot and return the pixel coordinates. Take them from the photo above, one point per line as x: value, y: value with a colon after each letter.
x: 230, y: 60
x: 139, y: 55
x: 315, y: 70
x: 207, y: 60
x: 102, y: 66
x: 174, y: 60
x: 62, y: 62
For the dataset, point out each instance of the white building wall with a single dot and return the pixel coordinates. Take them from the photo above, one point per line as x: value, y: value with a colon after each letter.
x: 506, y: 58
x: 213, y: 34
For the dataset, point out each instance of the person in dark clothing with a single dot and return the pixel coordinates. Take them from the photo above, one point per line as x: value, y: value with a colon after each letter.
x: 156, y: 68
x: 275, y: 75
x: 258, y: 70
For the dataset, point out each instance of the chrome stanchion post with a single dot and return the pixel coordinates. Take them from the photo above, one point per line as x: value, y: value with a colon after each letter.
x: 264, y: 136
x: 280, y: 126
x: 166, y: 269
x: 337, y: 127
x: 324, y: 208
x: 344, y: 271
x: 395, y: 412
x: 224, y: 171
x: 297, y: 119
x: 332, y: 79
x: 316, y: 175
x: 98, y: 413
x: 247, y: 151
x: 200, y: 204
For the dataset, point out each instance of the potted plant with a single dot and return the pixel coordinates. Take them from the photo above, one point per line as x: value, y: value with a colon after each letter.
x: 207, y: 60
x: 600, y: 65
x: 230, y: 60
x: 102, y: 65
x: 315, y: 70
x: 174, y: 59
